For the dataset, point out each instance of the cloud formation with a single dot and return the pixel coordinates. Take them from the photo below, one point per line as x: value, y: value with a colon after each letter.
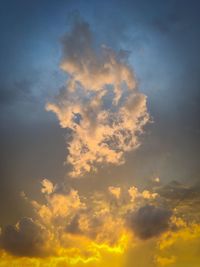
x: 100, y: 106
x: 150, y: 221
x: 115, y: 191
x: 47, y: 186
x: 73, y: 230
x: 102, y: 216
x: 27, y: 238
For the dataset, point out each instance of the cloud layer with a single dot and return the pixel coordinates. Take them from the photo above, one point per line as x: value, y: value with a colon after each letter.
x: 69, y: 229
x: 100, y: 105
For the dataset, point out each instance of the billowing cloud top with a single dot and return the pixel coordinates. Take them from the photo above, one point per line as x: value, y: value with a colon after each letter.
x: 100, y: 105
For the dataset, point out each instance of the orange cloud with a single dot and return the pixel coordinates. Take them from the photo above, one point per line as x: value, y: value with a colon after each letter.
x: 100, y: 105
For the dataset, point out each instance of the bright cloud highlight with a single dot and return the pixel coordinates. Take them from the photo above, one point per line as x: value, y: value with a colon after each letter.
x: 100, y: 106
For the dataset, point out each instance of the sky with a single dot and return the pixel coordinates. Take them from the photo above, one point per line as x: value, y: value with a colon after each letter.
x: 99, y: 109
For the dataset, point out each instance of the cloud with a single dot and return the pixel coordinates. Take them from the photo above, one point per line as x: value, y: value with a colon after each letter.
x: 100, y: 216
x: 180, y: 248
x: 59, y: 209
x: 183, y: 199
x: 27, y: 238
x: 178, y: 191
x: 82, y: 230
x: 100, y: 106
x: 146, y: 194
x: 149, y: 221
x: 115, y: 191
x: 73, y: 226
x: 47, y: 186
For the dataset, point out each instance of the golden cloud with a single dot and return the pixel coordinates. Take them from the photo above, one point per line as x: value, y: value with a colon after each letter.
x: 100, y: 106
x: 71, y: 230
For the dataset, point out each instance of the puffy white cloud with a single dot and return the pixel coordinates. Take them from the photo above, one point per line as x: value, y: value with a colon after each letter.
x: 101, y: 104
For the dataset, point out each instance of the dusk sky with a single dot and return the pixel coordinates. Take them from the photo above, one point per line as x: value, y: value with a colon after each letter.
x: 100, y: 129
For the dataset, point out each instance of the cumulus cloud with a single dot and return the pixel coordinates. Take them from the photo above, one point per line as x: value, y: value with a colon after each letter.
x: 145, y: 194
x: 60, y: 207
x: 115, y: 191
x: 84, y: 229
x: 100, y: 216
x: 100, y: 106
x: 149, y: 221
x: 69, y: 213
x: 47, y: 186
x: 26, y: 238
x: 66, y: 220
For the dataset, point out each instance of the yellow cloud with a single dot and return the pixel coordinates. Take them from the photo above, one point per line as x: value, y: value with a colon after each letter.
x: 180, y: 248
x: 71, y: 230
x: 47, y: 186
x: 115, y: 191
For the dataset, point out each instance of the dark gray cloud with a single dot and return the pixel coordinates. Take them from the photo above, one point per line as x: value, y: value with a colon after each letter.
x: 25, y: 239
x: 149, y: 221
x: 178, y: 191
x: 77, y: 44
x: 73, y: 226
